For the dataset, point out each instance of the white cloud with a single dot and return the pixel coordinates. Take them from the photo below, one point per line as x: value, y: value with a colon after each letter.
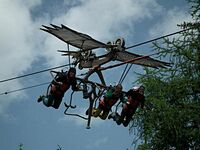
x: 104, y: 20
x: 17, y: 45
x: 31, y: 3
x: 21, y: 41
x: 72, y: 2
x: 169, y: 22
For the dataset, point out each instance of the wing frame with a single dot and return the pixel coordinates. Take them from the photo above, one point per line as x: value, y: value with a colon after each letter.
x: 74, y: 38
x: 146, y: 61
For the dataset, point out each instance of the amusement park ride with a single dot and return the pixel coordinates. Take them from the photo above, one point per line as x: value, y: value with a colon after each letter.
x: 86, y: 58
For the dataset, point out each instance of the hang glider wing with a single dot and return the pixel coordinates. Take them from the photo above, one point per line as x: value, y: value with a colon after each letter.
x: 147, y: 61
x: 74, y: 38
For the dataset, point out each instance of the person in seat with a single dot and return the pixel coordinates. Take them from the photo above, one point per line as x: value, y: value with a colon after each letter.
x: 108, y: 100
x: 58, y: 87
x: 135, y: 98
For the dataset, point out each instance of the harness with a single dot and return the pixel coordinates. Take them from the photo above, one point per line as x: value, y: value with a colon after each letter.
x: 134, y: 101
x: 107, y: 103
x: 58, y: 89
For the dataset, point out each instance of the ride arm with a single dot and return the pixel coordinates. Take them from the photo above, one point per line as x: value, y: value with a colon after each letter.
x: 58, y: 77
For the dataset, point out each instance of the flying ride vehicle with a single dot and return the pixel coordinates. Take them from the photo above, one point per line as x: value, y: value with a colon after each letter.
x: 86, y: 58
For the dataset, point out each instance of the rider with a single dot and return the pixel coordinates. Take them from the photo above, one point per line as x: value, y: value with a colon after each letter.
x: 58, y: 87
x: 135, y: 98
x: 106, y: 103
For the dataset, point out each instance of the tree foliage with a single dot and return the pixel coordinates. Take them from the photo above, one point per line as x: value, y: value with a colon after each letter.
x: 171, y: 117
x: 20, y: 146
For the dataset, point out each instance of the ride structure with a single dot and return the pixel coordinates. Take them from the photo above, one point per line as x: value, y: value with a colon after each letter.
x: 86, y: 58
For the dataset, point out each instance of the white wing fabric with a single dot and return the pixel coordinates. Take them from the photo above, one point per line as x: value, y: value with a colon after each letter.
x: 146, y: 61
x: 74, y: 38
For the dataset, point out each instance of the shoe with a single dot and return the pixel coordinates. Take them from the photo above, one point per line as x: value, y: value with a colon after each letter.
x: 103, y: 115
x: 118, y: 122
x: 40, y: 99
x: 93, y: 111
x: 85, y: 95
x: 96, y: 112
x: 118, y: 119
x: 112, y: 115
x: 125, y: 123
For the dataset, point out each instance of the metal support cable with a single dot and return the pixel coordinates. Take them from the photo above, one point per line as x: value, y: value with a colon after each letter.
x: 33, y: 73
x: 158, y: 38
x: 87, y: 81
x: 37, y: 72
x: 123, y: 74
x: 22, y: 89
x: 142, y: 43
x: 126, y: 74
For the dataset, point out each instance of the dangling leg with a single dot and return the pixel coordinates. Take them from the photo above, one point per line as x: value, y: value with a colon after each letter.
x: 115, y: 116
x: 48, y: 100
x: 112, y: 116
x: 126, y: 121
x: 119, y: 119
x: 96, y: 112
x: 85, y: 91
x: 56, y: 103
x: 40, y: 98
x: 128, y: 118
x: 93, y: 111
x: 104, y: 114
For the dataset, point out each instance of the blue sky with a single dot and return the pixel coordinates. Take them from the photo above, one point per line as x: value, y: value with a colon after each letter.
x: 25, y: 49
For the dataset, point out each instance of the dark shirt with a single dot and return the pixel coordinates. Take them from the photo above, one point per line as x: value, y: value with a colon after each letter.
x: 66, y: 82
x: 136, y: 98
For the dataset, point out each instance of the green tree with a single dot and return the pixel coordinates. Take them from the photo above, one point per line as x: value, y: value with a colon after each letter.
x: 20, y: 146
x: 171, y: 117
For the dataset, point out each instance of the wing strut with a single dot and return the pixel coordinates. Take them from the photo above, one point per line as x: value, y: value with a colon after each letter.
x: 125, y: 72
x: 68, y: 55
